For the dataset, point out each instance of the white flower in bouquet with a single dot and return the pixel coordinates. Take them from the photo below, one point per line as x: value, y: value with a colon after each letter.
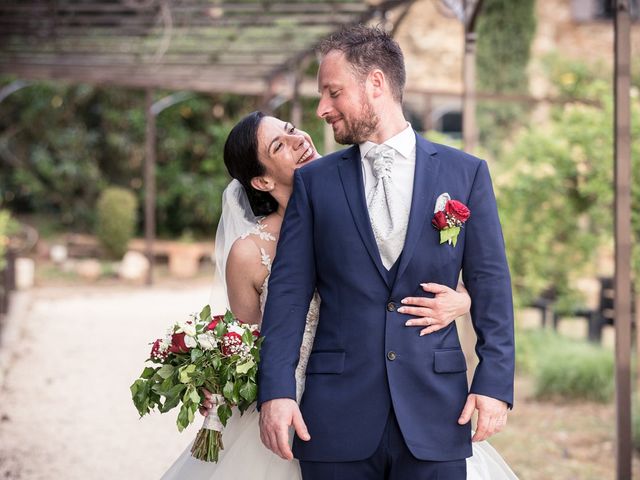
x: 207, y: 341
x: 188, y: 327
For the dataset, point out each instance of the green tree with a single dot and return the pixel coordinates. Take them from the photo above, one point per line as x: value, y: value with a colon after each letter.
x: 505, y: 32
x: 556, y: 188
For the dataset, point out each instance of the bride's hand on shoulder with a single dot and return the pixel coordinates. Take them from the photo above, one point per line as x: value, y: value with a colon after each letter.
x: 436, y: 313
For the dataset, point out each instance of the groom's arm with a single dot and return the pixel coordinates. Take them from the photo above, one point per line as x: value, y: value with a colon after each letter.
x: 486, y: 276
x: 291, y: 288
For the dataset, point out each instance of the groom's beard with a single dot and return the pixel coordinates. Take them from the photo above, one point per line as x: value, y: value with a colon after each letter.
x: 360, y: 129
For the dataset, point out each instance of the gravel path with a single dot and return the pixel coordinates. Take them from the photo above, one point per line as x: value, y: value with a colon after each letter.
x: 65, y: 409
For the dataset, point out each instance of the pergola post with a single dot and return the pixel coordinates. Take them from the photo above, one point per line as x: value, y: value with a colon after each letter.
x: 469, y: 126
x: 150, y: 184
x: 296, y: 104
x: 622, y: 277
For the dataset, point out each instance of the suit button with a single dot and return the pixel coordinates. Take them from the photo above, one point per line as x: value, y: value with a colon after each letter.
x: 391, y: 307
x: 391, y: 355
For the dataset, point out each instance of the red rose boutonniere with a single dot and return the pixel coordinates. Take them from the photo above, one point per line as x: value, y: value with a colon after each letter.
x: 449, y: 216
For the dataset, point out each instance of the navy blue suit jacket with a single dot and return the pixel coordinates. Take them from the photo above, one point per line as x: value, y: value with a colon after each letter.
x: 353, y: 379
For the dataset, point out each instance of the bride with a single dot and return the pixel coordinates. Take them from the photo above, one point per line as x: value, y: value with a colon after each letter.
x: 261, y: 154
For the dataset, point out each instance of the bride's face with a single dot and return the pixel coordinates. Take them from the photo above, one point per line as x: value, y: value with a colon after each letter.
x: 282, y: 148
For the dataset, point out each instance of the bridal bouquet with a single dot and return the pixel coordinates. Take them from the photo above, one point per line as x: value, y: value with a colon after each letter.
x: 218, y: 353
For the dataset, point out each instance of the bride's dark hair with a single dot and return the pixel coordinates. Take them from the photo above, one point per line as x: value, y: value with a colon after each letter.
x: 241, y: 160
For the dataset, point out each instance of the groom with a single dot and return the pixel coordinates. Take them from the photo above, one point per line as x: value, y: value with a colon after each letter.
x: 381, y: 401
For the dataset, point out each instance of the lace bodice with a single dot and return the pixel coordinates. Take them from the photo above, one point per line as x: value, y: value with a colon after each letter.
x: 312, y: 315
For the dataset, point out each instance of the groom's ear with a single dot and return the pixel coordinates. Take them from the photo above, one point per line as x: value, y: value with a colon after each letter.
x: 262, y: 183
x: 378, y: 82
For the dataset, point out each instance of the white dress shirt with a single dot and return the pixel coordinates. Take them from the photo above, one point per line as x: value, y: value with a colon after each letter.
x: 403, y: 169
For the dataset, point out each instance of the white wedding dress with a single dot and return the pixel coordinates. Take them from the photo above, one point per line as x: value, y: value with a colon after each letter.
x: 244, y: 457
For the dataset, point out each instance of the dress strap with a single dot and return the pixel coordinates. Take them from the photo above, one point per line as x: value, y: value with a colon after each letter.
x: 259, y: 230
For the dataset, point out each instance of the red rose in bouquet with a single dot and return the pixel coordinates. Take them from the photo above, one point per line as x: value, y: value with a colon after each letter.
x: 214, y: 323
x: 222, y: 356
x: 177, y: 343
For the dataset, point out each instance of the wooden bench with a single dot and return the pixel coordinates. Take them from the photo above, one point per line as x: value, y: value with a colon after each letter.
x: 596, y: 319
x: 183, y: 258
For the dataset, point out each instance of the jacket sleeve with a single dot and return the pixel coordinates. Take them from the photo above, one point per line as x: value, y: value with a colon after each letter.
x: 486, y: 276
x: 291, y: 288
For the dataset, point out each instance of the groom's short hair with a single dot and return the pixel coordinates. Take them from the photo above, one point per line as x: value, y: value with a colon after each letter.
x: 366, y: 48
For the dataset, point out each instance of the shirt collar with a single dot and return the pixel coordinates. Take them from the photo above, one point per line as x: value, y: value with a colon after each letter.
x: 404, y: 143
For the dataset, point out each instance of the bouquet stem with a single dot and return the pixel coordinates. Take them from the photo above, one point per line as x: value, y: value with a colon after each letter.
x: 207, y: 445
x: 208, y: 442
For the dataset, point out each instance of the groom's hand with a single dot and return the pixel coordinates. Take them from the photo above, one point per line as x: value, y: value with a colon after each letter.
x: 492, y: 415
x: 276, y: 416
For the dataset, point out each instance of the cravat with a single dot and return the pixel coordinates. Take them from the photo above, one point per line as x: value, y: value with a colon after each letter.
x: 388, y: 216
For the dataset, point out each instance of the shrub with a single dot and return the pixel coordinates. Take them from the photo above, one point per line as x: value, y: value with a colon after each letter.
x: 116, y: 220
x: 566, y: 368
x: 5, y: 220
x: 636, y: 424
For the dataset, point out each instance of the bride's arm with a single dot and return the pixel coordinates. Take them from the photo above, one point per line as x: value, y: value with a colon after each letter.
x: 245, y: 275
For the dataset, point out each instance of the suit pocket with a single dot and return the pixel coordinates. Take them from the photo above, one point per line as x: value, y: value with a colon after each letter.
x: 326, y: 362
x: 449, y: 361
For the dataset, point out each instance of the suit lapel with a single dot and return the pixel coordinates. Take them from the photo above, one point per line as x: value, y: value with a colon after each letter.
x: 424, y: 183
x: 351, y: 176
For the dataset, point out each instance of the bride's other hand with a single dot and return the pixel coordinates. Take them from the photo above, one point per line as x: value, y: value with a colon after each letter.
x: 438, y: 312
x: 206, y: 404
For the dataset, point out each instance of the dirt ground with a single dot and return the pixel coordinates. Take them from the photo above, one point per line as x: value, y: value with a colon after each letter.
x: 66, y: 413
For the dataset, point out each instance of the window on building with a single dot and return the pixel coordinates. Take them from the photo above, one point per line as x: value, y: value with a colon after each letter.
x: 450, y: 123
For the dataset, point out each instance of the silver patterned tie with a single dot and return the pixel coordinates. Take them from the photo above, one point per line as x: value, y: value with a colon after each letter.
x: 388, y: 216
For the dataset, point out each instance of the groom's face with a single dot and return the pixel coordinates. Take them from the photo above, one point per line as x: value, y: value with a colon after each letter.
x: 344, y: 103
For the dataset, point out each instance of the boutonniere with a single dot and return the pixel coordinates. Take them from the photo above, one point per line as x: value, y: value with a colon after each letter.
x: 449, y: 216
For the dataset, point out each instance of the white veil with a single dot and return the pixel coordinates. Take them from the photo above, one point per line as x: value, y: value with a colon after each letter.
x: 237, y: 219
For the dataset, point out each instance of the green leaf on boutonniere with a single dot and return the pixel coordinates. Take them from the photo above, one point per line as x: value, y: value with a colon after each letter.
x: 449, y: 235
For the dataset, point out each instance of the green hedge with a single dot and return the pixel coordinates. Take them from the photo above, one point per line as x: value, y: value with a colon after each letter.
x: 566, y: 368
x: 116, y: 220
x: 5, y: 225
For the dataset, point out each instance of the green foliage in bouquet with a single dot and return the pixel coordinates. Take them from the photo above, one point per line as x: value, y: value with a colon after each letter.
x: 227, y: 367
x: 116, y: 220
